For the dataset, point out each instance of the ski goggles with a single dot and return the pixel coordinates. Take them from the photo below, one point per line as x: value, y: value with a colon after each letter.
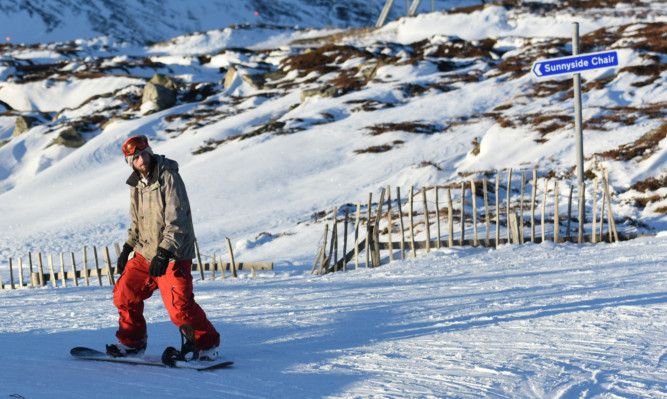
x: 134, y: 143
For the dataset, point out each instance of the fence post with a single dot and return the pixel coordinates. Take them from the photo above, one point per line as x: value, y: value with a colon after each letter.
x: 544, y: 208
x: 20, y: 272
x: 356, y: 236
x: 30, y: 262
x: 11, y: 275
x: 334, y: 234
x: 400, y: 214
x: 368, y: 230
x: 556, y: 216
x: 582, y: 210
x: 473, y: 189
x: 595, y: 205
x: 384, y: 13
x: 51, y: 271
x: 2, y: 285
x: 231, y: 257
x: 107, y: 260
x: 347, y: 216
x: 213, y: 267
x: 497, y: 210
x: 509, y: 199
x: 450, y: 219
x: 532, y: 206
x: 612, y: 222
x: 334, y: 237
x: 317, y: 261
x: 569, y: 212
x: 389, y: 225
x: 413, y: 7
x: 604, y: 200
x: 377, y: 260
x: 523, y: 188
x: 322, y: 254
x: 438, y: 242
x: 41, y: 270
x: 97, y: 266
x: 426, y: 221
x: 412, y: 226
x: 76, y: 280
x: 487, y: 221
x: 463, y: 213
x: 34, y: 280
x: 84, y: 270
x: 117, y: 247
x: 63, y: 276
x: 199, y: 264
x: 516, y: 237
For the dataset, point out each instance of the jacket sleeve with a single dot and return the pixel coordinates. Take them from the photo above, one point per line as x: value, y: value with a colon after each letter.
x: 133, y: 231
x: 176, y: 212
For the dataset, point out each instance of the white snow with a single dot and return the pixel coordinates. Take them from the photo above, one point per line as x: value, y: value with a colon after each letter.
x: 554, y: 321
x: 538, y: 320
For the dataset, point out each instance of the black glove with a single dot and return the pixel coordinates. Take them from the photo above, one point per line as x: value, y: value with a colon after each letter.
x: 122, y: 258
x: 160, y: 262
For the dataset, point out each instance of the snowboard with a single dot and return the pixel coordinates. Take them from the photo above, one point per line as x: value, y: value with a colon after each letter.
x: 146, y: 360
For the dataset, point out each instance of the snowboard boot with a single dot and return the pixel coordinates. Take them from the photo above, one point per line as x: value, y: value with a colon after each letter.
x: 208, y: 355
x: 120, y: 350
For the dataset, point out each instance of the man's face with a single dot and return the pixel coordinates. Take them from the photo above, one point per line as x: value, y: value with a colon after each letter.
x: 141, y: 162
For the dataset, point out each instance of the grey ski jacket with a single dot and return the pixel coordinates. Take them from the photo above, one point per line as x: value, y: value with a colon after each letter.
x: 160, y: 212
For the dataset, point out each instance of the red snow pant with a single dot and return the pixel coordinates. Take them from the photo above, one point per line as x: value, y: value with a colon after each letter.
x: 135, y: 285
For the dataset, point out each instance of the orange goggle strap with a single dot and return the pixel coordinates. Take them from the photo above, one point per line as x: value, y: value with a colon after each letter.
x: 133, y: 143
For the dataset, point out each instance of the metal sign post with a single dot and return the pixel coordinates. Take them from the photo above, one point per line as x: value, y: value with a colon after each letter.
x: 574, y: 65
x: 578, y: 131
x: 577, y: 109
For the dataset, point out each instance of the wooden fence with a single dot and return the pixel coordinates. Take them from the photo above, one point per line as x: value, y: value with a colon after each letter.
x: 515, y: 212
x: 100, y: 273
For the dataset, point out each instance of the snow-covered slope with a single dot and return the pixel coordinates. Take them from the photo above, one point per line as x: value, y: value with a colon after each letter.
x: 39, y: 21
x: 537, y: 321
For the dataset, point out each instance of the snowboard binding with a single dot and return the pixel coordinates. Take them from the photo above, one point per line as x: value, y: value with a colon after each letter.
x: 188, y: 346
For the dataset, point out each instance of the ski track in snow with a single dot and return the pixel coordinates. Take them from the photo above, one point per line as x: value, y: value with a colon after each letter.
x: 546, y: 320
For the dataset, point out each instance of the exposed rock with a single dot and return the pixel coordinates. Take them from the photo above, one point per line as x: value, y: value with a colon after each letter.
x: 369, y: 70
x: 164, y: 80
x: 69, y: 137
x: 158, y: 95
x: 230, y: 75
x: 256, y: 81
x: 324, y: 91
x: 160, y: 91
x: 23, y: 124
x: 275, y: 75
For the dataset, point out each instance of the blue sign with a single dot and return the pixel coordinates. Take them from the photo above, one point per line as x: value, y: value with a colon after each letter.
x: 575, y: 64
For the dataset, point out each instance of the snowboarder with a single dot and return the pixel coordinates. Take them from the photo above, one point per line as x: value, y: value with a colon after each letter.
x: 162, y: 238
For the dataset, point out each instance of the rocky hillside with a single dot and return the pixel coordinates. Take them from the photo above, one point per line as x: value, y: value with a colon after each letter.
x: 440, y: 105
x: 39, y: 21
